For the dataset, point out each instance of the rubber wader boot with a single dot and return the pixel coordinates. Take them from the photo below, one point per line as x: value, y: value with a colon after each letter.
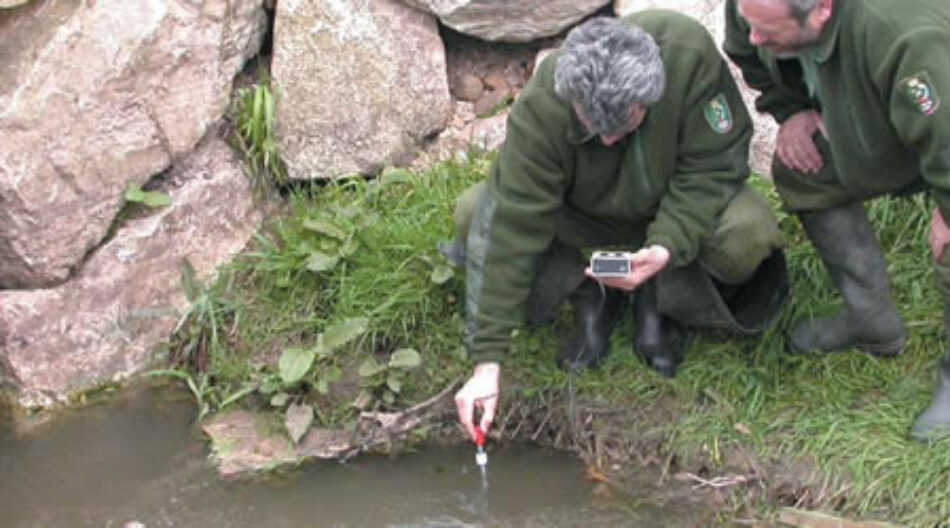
x: 843, y: 238
x: 453, y: 250
x: 934, y: 423
x: 596, y: 311
x: 692, y: 297
x: 659, y: 339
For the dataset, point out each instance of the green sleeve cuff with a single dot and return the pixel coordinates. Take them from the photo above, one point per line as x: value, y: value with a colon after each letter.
x: 677, y: 258
x: 786, y: 111
x: 487, y: 356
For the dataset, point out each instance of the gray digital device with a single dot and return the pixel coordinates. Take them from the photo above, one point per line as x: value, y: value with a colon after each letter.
x: 610, y: 264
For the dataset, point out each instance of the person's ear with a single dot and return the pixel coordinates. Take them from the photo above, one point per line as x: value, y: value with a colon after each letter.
x: 822, y: 12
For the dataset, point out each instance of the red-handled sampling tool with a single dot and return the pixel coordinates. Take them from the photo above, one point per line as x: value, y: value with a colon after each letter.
x: 481, y: 457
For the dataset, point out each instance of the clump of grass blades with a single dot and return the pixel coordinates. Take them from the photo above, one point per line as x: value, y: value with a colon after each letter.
x: 255, y: 135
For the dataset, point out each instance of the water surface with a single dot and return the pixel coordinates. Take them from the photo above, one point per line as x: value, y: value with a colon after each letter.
x: 140, y: 460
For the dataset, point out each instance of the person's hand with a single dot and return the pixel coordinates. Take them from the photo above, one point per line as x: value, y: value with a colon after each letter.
x: 795, y: 144
x: 939, y: 235
x: 481, y: 391
x: 644, y: 264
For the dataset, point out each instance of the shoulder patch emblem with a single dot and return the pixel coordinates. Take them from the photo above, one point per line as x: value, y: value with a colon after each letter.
x: 919, y: 90
x: 718, y: 114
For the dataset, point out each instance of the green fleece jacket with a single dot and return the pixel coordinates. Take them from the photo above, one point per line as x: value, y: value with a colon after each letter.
x: 883, y: 71
x: 664, y: 184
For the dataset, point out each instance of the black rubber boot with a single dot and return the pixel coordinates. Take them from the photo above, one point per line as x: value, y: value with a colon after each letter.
x: 453, y: 250
x: 843, y: 238
x: 596, y: 311
x: 934, y: 423
x: 659, y: 339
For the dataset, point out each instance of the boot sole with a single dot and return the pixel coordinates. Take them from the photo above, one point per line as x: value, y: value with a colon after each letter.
x: 931, y: 435
x: 890, y: 349
x: 884, y: 350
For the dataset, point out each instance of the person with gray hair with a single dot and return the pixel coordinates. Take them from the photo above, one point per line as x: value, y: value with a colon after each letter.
x: 632, y: 138
x: 857, y: 87
x: 605, y: 68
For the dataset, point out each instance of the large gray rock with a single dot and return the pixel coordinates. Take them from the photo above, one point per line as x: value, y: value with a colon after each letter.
x: 509, y: 20
x: 95, y: 96
x: 6, y: 4
x: 106, y: 323
x: 466, y: 133
x: 359, y: 85
x: 711, y: 13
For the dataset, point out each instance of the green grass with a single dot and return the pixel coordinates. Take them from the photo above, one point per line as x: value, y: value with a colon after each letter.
x: 848, y: 413
x: 254, y: 113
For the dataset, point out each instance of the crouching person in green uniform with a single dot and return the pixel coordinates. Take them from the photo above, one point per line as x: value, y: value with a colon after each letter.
x: 631, y: 137
x: 857, y: 86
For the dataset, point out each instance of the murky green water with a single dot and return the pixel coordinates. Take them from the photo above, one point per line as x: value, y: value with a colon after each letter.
x: 140, y: 460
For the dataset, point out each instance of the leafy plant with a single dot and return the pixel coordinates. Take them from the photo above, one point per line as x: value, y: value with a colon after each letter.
x: 386, y: 379
x: 294, y: 366
x: 199, y: 328
x: 152, y: 199
x: 338, y: 236
x: 296, y: 363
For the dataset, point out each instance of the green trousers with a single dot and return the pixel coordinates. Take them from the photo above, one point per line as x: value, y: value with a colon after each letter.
x: 824, y: 190
x: 746, y: 234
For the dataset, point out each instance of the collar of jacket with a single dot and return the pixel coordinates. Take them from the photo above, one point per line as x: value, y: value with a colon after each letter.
x: 828, y: 39
x: 577, y: 134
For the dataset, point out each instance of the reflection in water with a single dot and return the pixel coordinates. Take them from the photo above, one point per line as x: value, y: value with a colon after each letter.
x: 139, y: 461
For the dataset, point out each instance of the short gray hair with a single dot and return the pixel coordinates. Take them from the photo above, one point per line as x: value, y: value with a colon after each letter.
x: 605, y: 66
x: 800, y: 9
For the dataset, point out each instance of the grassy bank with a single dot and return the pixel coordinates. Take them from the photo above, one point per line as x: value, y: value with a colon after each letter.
x: 344, y: 304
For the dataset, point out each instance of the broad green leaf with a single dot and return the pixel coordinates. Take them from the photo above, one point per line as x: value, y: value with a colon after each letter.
x: 350, y: 247
x: 389, y: 398
x: 395, y: 175
x: 152, y: 199
x: 441, y: 274
x: 319, y: 261
x: 331, y: 374
x: 177, y: 374
x: 341, y: 333
x: 294, y: 364
x: 322, y: 386
x: 134, y: 193
x: 156, y: 200
x: 298, y: 420
x: 393, y: 382
x: 367, y: 221
x: 268, y: 387
x: 325, y: 227
x: 279, y: 399
x: 349, y: 211
x: 405, y: 358
x: 370, y: 368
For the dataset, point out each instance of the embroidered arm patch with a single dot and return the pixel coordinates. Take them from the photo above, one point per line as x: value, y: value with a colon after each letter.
x: 718, y: 114
x: 919, y: 91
